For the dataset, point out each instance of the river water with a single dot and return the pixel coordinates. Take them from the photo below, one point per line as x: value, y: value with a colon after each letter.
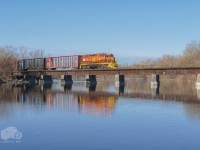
x: 102, y: 116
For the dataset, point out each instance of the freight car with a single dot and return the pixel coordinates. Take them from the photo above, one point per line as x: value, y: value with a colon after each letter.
x: 91, y: 61
x: 32, y: 64
x: 62, y: 62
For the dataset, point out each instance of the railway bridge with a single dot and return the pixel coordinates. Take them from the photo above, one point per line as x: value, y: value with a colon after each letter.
x: 155, y: 75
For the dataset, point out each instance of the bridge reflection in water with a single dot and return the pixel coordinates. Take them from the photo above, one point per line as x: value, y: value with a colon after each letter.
x: 98, y: 99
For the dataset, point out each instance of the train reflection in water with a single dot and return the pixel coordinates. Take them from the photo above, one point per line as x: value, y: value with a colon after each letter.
x: 100, y: 99
x: 53, y: 96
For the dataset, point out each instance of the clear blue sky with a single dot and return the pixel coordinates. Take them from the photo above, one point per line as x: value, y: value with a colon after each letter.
x: 144, y: 28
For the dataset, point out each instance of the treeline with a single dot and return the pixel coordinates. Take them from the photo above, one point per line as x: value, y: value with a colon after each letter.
x: 9, y: 57
x: 189, y: 58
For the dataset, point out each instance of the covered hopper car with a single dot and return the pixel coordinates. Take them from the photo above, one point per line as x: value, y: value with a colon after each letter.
x: 91, y: 61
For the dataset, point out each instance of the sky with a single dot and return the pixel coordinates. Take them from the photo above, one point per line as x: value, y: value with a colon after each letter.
x: 127, y: 28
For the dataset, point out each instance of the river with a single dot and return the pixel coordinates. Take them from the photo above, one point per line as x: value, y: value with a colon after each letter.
x: 102, y: 116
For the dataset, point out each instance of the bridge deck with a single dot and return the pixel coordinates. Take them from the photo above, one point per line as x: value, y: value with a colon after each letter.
x: 124, y: 71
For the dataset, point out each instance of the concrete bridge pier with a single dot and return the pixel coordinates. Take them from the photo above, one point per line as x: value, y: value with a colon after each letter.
x: 45, y: 86
x: 29, y: 79
x: 67, y: 86
x: 119, y: 84
x: 92, y: 87
x: 119, y: 80
x: 198, y: 81
x: 155, y: 91
x: 155, y: 80
x: 90, y: 80
x: 119, y: 89
x: 45, y: 79
x: 198, y: 93
x: 66, y: 79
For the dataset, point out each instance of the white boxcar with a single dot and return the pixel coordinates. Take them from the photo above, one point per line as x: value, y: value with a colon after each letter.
x: 62, y: 62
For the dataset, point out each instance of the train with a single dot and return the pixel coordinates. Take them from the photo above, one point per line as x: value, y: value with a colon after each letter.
x: 90, y: 61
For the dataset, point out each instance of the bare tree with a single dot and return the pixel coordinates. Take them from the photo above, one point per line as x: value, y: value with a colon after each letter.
x: 147, y: 63
x: 23, y: 52
x: 36, y: 53
x: 10, y: 55
x: 8, y: 61
x: 189, y: 58
x: 166, y: 61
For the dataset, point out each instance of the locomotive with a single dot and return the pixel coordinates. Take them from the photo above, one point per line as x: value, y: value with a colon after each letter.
x: 90, y: 61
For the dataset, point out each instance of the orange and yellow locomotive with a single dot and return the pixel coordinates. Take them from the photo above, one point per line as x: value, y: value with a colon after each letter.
x: 98, y: 61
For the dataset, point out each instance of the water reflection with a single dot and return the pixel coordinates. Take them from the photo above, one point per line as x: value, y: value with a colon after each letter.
x: 177, y: 91
x: 68, y: 86
x: 99, y: 99
x: 54, y: 96
x: 102, y: 116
